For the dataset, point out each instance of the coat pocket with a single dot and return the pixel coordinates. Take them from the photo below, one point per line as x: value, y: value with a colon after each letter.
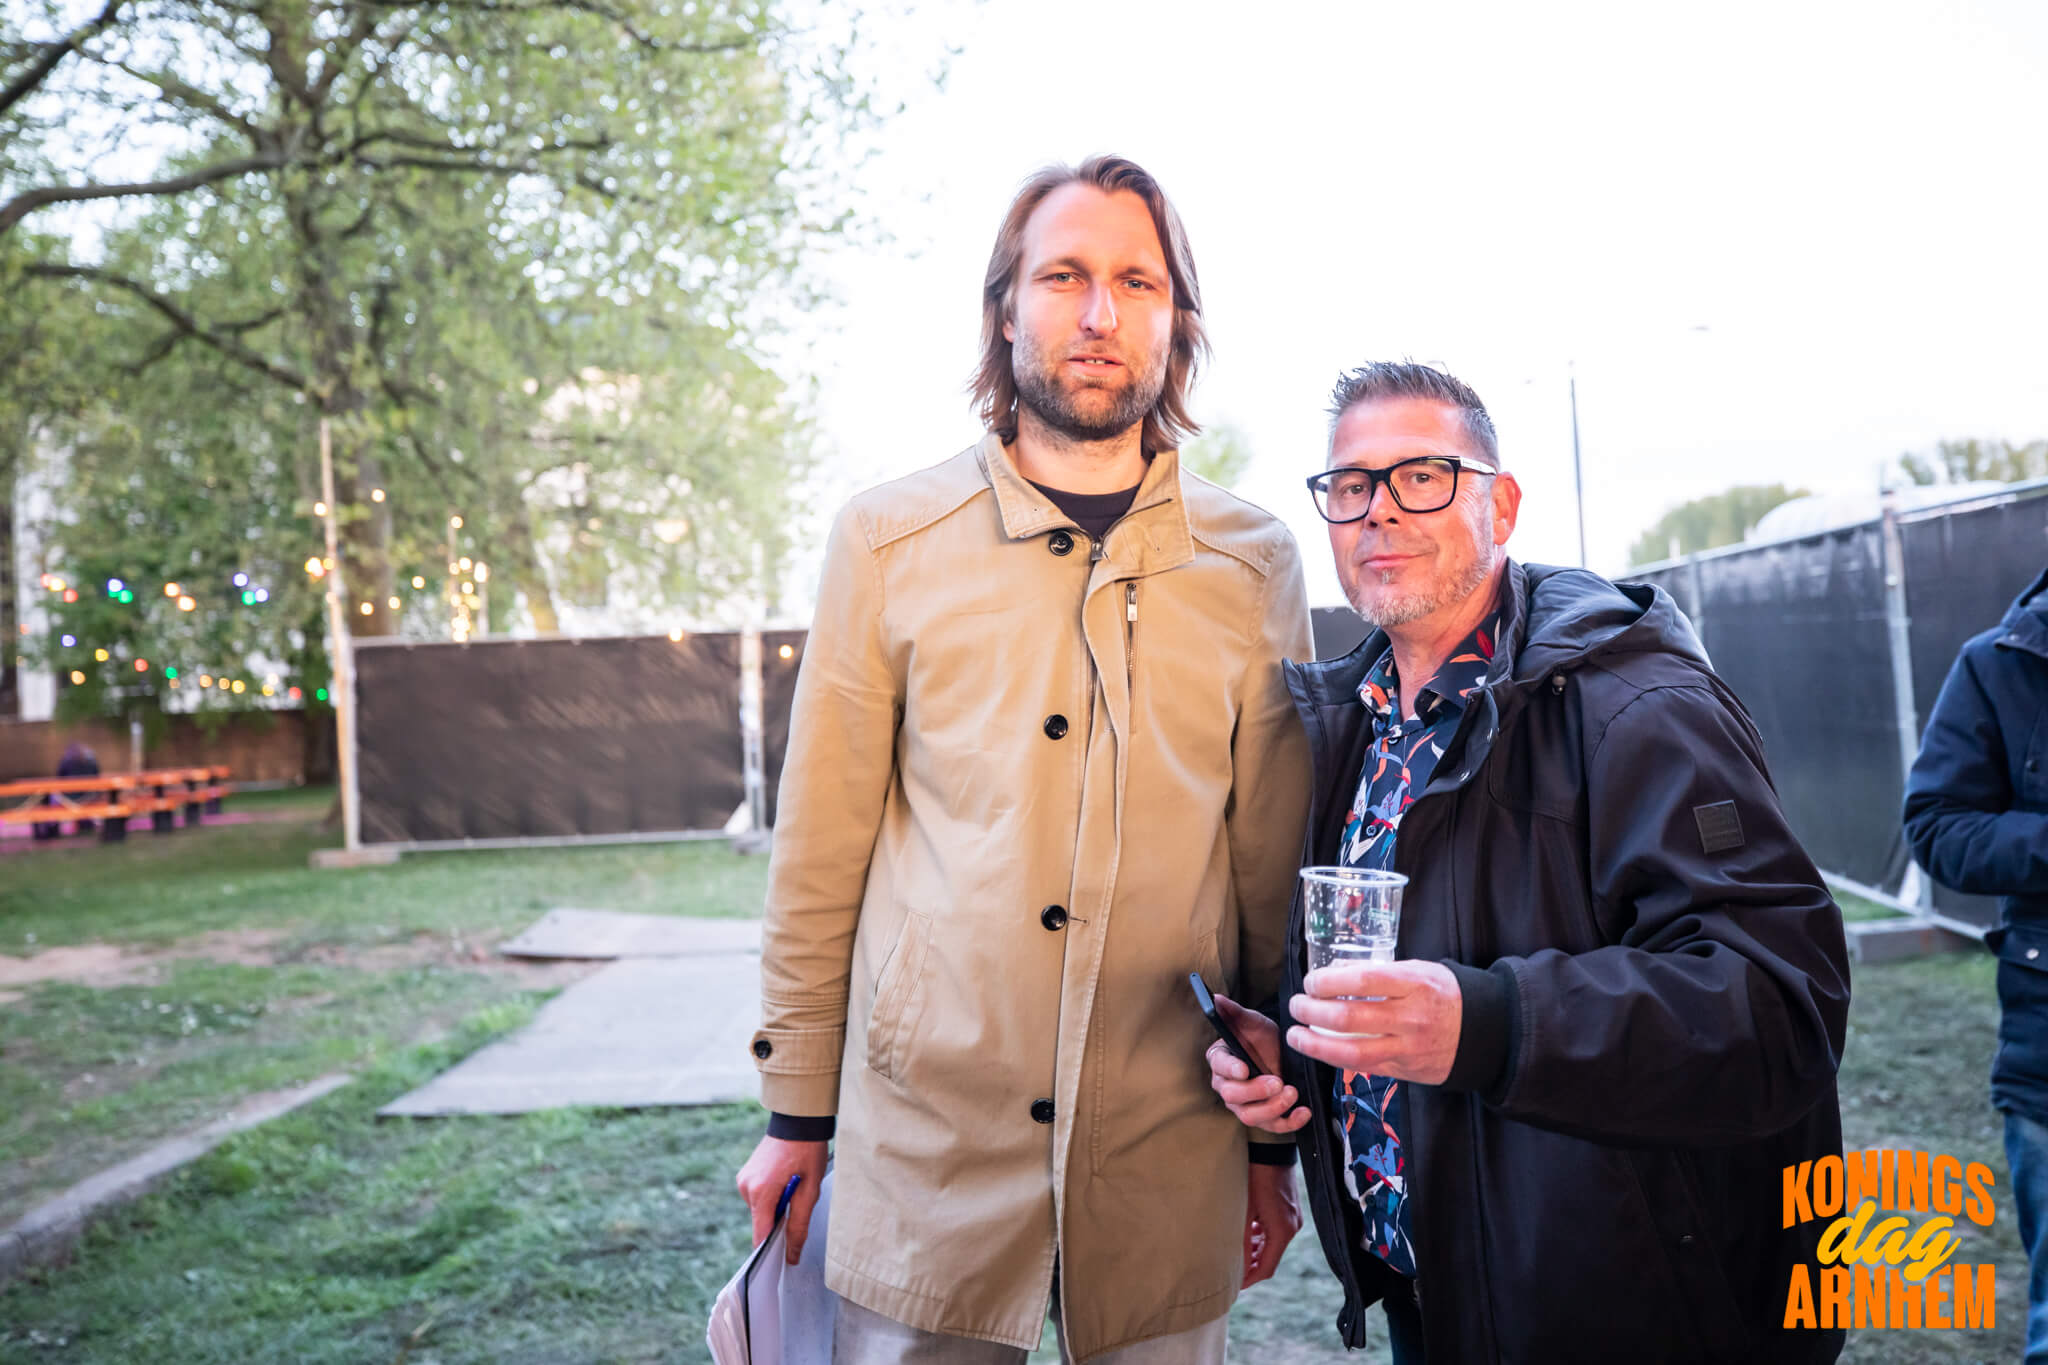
x: 1159, y: 1042
x: 898, y: 996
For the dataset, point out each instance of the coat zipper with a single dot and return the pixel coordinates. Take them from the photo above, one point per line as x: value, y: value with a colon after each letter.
x: 1130, y: 631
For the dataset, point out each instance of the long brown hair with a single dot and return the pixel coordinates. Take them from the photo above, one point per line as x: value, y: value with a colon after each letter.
x: 995, y: 386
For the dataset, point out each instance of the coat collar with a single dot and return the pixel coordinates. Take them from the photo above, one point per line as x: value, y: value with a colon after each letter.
x: 1152, y: 536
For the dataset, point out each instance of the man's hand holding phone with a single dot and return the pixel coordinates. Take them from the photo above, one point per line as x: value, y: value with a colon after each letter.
x: 1265, y: 1102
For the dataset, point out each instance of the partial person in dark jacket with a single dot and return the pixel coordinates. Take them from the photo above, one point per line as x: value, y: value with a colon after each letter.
x: 1977, y: 817
x: 78, y: 761
x: 1622, y: 988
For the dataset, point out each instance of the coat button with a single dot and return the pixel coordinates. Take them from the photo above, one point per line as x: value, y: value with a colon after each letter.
x: 1055, y: 727
x: 1061, y: 543
x: 762, y: 1047
x: 1041, y: 1111
x: 2033, y: 953
x: 1053, y: 917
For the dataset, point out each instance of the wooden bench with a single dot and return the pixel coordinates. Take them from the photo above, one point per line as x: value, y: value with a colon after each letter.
x: 113, y: 799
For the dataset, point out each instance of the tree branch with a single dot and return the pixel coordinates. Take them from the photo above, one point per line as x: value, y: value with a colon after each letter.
x: 53, y: 53
x: 180, y: 92
x: 28, y: 201
x: 595, y: 10
x: 221, y: 340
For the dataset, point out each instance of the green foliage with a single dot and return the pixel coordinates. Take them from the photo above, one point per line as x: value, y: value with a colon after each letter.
x: 1967, y: 461
x: 1221, y: 454
x: 1705, y: 523
x: 522, y: 258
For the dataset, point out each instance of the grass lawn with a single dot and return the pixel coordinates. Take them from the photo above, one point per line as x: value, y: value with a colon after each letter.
x: 572, y: 1236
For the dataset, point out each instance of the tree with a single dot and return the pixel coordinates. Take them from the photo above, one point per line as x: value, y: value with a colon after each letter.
x: 1971, y: 460
x: 1704, y: 523
x: 427, y: 222
x: 1221, y: 454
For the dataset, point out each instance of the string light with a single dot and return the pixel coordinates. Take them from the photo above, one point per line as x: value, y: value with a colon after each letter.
x: 70, y: 594
x: 393, y: 603
x: 69, y: 640
x: 368, y: 609
x: 114, y: 587
x: 483, y: 572
x: 77, y: 678
x: 469, y: 589
x: 187, y: 604
x: 293, y: 694
x: 172, y: 590
x: 269, y: 691
x: 376, y: 495
x: 787, y: 652
x: 142, y: 665
x: 99, y: 655
x: 171, y: 672
x: 206, y: 679
x: 418, y: 582
x: 676, y: 635
x: 465, y: 563
x: 320, y: 694
x: 319, y: 509
x: 239, y: 687
x: 241, y: 580
x: 455, y: 523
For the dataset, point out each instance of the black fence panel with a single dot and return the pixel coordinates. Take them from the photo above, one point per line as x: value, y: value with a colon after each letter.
x: 547, y: 739
x: 1798, y: 630
x: 782, y: 651
x: 1337, y: 631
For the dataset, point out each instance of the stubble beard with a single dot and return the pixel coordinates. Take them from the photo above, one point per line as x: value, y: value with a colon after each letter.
x: 1399, y: 609
x: 1036, y: 375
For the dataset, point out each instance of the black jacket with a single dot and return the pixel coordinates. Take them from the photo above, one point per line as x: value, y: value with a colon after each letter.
x: 1656, y: 991
x: 1977, y: 817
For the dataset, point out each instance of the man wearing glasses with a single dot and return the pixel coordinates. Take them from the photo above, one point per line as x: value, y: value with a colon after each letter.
x: 1557, y: 1127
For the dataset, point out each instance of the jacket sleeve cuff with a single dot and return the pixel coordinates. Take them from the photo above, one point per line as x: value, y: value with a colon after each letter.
x: 1487, y: 1033
x: 1272, y: 1150
x: 809, y: 1094
x: 802, y: 1127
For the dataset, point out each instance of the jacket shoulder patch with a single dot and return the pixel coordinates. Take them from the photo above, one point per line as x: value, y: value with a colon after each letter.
x: 1720, y: 827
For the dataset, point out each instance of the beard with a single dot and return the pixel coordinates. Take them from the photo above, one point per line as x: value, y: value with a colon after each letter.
x: 1078, y: 413
x: 1398, y: 608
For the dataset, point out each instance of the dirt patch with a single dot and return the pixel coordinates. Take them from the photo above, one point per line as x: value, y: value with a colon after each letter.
x: 108, y: 964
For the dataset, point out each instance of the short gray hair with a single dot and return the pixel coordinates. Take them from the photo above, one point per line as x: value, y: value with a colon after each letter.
x: 1382, y: 379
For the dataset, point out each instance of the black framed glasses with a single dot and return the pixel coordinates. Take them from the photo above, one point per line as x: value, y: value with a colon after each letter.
x: 1428, y: 483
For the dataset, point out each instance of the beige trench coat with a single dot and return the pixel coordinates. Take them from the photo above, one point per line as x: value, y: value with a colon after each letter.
x: 1031, y: 785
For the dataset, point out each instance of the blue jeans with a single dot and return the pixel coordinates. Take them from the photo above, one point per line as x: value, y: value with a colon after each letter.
x: 2026, y: 1151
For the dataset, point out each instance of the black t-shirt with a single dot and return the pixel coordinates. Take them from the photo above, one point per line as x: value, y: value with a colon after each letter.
x: 1094, y: 513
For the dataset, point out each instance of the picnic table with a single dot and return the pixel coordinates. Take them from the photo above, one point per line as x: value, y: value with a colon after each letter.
x: 112, y: 798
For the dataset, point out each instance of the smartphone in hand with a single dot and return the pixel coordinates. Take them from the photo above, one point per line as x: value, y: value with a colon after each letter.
x: 1223, y: 1029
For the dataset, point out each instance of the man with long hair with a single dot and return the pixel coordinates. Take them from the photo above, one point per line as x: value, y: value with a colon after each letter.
x: 1042, y: 767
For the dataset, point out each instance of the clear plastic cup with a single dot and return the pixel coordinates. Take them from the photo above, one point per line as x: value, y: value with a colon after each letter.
x: 1353, y: 914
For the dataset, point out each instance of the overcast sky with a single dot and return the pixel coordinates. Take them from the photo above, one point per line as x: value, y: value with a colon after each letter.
x: 1849, y: 198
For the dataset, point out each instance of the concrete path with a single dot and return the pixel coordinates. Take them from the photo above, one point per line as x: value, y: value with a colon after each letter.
x: 667, y: 1024
x: 645, y: 1031
x: 50, y: 1230
x: 611, y: 933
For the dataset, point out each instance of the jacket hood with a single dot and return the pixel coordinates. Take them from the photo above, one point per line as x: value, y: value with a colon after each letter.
x: 2025, y: 622
x: 1562, y: 617
x: 1575, y: 615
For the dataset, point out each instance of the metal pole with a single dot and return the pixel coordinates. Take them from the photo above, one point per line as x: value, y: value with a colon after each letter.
x: 344, y: 662
x: 1900, y: 629
x: 752, y: 768
x: 1578, y: 481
